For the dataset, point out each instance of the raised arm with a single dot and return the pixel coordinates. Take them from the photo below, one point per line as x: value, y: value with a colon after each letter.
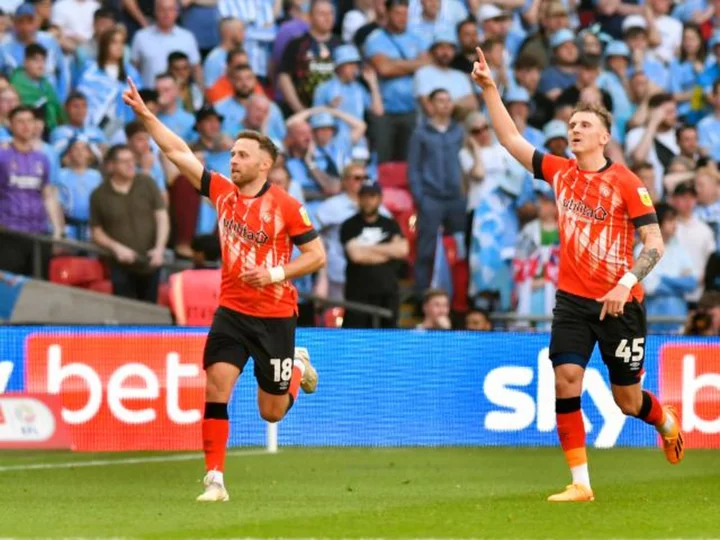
x: 174, y: 148
x: 502, y: 123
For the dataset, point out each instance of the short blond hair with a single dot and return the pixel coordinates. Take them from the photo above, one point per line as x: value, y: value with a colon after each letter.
x: 601, y: 112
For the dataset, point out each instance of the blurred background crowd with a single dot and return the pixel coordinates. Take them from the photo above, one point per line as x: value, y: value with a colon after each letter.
x: 383, y: 136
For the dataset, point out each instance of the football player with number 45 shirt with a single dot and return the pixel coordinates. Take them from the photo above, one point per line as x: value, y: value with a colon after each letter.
x: 600, y: 299
x: 258, y: 224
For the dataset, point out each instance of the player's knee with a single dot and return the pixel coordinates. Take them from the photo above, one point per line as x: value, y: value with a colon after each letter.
x: 568, y: 380
x: 272, y: 413
x: 629, y: 405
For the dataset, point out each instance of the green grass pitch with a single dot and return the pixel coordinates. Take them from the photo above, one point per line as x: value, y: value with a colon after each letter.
x: 353, y: 493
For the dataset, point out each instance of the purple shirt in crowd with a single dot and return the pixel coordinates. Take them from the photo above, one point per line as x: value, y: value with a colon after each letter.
x: 22, y: 179
x: 286, y: 33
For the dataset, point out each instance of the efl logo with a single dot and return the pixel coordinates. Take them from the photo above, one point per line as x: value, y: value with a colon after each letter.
x: 690, y: 380
x: 123, y: 392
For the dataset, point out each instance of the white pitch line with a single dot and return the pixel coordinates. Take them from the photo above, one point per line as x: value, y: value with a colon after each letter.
x: 125, y: 461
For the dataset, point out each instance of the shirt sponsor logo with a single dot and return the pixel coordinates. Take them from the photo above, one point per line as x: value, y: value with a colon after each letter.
x: 583, y: 210
x: 232, y: 227
x: 25, y: 182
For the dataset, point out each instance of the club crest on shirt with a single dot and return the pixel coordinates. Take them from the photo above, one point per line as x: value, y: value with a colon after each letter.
x: 645, y: 196
x: 305, y: 217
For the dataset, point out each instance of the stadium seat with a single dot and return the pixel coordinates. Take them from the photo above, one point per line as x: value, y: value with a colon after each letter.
x: 194, y: 295
x: 333, y: 317
x: 76, y: 271
x: 393, y: 174
x: 163, y: 298
x: 459, y: 273
x: 102, y: 286
x: 397, y: 200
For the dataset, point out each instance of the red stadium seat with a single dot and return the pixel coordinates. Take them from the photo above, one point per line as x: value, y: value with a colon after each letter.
x: 76, y: 271
x: 163, y: 298
x: 397, y: 200
x: 333, y: 317
x: 393, y: 174
x: 102, y: 286
x: 194, y: 296
x: 459, y: 273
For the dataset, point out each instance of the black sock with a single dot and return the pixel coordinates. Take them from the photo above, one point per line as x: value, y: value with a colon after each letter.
x: 217, y: 411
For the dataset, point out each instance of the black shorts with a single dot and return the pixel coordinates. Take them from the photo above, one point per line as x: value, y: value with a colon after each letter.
x: 576, y: 327
x: 234, y: 337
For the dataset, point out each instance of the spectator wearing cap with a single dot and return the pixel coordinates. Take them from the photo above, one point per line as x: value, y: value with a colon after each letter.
x: 587, y: 75
x: 104, y: 82
x: 526, y: 74
x: 672, y: 278
x: 258, y: 18
x: 75, y: 184
x: 345, y: 92
x: 232, y: 36
x: 75, y: 17
x: 435, y: 179
x: 76, y: 112
x: 147, y: 162
x: 468, y: 41
x: 264, y: 116
x: 373, y: 246
x: 692, y: 233
x: 328, y: 218
x: 517, y: 101
x: 670, y: 30
x: 171, y: 113
x: 561, y: 73
x: 636, y: 35
x: 495, y: 23
x: 556, y: 138
x: 328, y: 151
x: 234, y: 108
x: 537, y: 258
x: 686, y: 75
x: 709, y: 127
x: 152, y: 45
x: 26, y: 32
x: 553, y: 18
x: 215, y: 144
x: 307, y: 60
x: 395, y: 54
x: 35, y: 88
x: 28, y: 202
x: 614, y: 80
x: 439, y: 74
x: 427, y: 17
x: 708, y: 200
x: 657, y: 143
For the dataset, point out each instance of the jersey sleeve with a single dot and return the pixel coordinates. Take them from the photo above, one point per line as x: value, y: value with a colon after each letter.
x: 639, y: 204
x: 545, y: 165
x: 214, y: 185
x: 299, y: 225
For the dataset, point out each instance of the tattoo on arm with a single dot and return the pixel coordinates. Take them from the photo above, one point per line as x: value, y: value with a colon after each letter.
x: 652, y: 250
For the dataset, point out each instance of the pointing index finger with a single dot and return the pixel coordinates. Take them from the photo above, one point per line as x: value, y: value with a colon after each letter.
x: 132, y: 85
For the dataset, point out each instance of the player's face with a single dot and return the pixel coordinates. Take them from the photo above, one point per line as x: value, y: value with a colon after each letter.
x: 247, y: 161
x: 586, y: 133
x: 22, y: 126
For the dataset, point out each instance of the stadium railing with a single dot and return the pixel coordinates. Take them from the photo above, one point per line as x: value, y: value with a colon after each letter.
x: 38, y: 240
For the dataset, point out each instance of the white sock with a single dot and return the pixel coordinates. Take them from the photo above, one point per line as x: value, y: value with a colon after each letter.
x: 668, y: 425
x: 581, y: 475
x: 300, y: 365
x: 216, y: 477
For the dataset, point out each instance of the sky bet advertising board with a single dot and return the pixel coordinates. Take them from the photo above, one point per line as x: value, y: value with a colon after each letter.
x: 142, y: 389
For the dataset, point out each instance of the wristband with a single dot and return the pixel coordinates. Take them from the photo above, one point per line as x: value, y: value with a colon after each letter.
x: 277, y: 273
x: 629, y: 280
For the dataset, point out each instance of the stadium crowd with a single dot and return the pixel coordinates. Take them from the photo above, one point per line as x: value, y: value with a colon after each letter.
x: 382, y: 132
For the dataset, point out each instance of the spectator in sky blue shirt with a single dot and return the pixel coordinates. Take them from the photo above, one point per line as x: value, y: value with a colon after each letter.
x: 560, y: 74
x: 258, y: 17
x: 232, y: 33
x: 709, y: 127
x: 171, y: 112
x: 27, y: 31
x: 76, y: 109
x: 396, y: 54
x: 75, y: 183
x: 264, y: 116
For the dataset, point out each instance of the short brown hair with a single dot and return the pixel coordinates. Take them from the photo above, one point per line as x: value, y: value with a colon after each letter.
x: 432, y: 292
x: 263, y: 141
x: 598, y: 110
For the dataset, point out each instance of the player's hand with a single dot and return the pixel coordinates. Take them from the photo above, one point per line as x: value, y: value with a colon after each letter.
x: 132, y: 98
x: 481, y: 74
x: 257, y: 277
x: 156, y: 257
x: 614, y: 301
x: 124, y: 254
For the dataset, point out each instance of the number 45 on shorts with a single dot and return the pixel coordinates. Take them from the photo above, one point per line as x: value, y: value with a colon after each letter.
x: 631, y: 350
